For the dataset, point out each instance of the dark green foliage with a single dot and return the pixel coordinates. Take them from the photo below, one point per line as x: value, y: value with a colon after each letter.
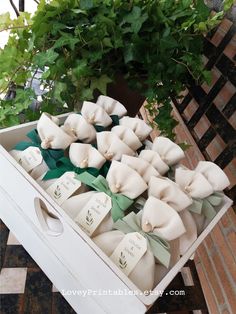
x: 82, y: 45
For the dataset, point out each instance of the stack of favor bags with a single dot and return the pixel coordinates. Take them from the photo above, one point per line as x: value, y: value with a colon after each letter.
x: 135, y: 200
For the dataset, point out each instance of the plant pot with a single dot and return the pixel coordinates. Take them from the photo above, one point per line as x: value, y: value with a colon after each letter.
x: 119, y: 90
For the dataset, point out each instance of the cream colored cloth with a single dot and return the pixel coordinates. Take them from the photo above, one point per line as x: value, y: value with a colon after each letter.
x: 145, y: 170
x: 51, y: 135
x: 37, y: 171
x: 85, y: 155
x: 140, y: 128
x: 111, y: 106
x: 111, y: 147
x: 121, y: 179
x: 95, y: 114
x: 82, y: 156
x: 162, y: 219
x: 143, y: 273
x: 155, y: 160
x: 169, y: 192
x: 75, y: 204
x: 169, y: 152
x: 187, y: 239
x: 127, y: 136
x: 160, y: 270
x: 214, y: 175
x: 77, y: 127
x: 125, y: 180
x: 45, y: 184
x: 193, y: 183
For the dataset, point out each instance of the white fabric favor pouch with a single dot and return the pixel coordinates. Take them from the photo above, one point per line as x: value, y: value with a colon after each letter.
x: 111, y: 106
x: 139, y: 127
x: 169, y: 192
x: 111, y: 147
x: 169, y: 152
x: 145, y: 170
x: 127, y: 136
x: 121, y: 180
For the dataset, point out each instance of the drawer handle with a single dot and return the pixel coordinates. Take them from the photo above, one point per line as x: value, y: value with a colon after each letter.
x: 48, y: 222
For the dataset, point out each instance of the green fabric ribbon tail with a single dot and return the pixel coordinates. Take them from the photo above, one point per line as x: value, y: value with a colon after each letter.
x: 50, y: 156
x: 115, y: 119
x: 119, y: 202
x: 99, y: 128
x: 63, y: 165
x: 159, y: 247
x: 206, y: 206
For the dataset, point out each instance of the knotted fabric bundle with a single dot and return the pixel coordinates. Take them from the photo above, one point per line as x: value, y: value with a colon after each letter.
x: 111, y: 106
x: 51, y: 135
x: 214, y: 175
x: 145, y: 170
x: 83, y: 157
x: 127, y: 136
x: 170, y: 152
x: 111, y: 147
x: 119, y: 186
x: 169, y: 192
x: 139, y: 127
x: 142, y: 273
x: 78, y: 127
x: 155, y: 160
x: 95, y: 115
x: 160, y: 218
x: 49, y: 156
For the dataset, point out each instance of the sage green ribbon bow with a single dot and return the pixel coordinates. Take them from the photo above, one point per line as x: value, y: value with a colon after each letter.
x: 119, y: 202
x: 50, y: 156
x: 206, y: 206
x: 159, y: 247
x: 63, y: 165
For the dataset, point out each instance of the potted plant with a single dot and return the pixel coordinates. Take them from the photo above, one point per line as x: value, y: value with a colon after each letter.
x: 83, y: 46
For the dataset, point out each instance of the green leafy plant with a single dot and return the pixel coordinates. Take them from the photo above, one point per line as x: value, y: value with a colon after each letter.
x: 82, y: 45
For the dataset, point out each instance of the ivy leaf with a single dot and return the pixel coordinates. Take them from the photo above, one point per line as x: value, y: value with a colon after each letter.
x: 45, y: 58
x: 58, y: 89
x: 81, y: 69
x: 5, y: 21
x: 165, y: 122
x: 136, y: 19
x: 86, y: 94
x: 66, y: 40
x: 100, y: 83
x: 129, y: 53
x: 207, y: 75
x: 86, y: 4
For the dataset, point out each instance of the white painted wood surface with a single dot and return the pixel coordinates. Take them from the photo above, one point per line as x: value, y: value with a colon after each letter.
x: 83, y: 262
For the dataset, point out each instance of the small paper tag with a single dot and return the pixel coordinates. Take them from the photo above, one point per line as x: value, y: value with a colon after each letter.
x: 64, y: 187
x: 30, y: 158
x: 129, y: 252
x: 94, y: 212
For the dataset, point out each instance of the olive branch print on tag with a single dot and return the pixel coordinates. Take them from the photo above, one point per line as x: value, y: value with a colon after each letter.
x: 57, y: 192
x: 122, y: 261
x: 89, y: 218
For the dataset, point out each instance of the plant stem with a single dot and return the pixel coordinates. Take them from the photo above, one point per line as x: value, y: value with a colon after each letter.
x: 14, y: 8
x: 14, y: 27
x: 10, y: 81
x: 184, y: 64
